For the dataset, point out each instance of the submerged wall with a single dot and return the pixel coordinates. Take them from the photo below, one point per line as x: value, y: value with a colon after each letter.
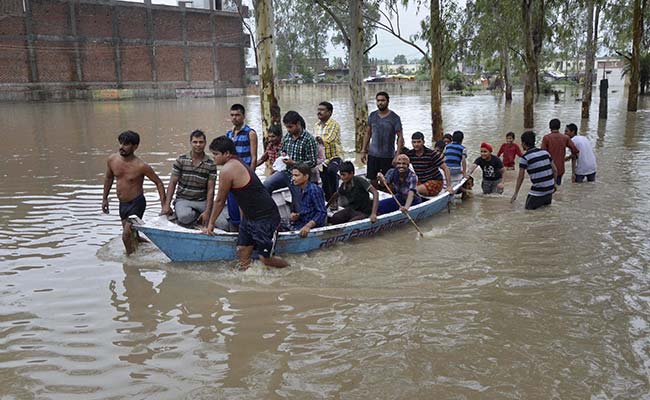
x: 107, y: 49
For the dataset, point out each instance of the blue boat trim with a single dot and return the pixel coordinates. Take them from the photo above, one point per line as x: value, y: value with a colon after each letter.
x: 195, y: 246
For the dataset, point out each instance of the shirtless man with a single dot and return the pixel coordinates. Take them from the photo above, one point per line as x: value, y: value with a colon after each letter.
x: 260, y: 216
x: 130, y: 172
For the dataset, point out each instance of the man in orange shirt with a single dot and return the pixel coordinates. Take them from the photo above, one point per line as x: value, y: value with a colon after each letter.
x: 556, y: 143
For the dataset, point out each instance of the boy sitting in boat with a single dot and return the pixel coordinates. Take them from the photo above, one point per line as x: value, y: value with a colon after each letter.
x: 403, y: 183
x: 312, y: 212
x: 354, y: 196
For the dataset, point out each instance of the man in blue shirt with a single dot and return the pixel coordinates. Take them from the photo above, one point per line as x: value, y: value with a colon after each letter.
x: 312, y: 213
x: 456, y: 157
x: 298, y: 146
x: 245, y: 139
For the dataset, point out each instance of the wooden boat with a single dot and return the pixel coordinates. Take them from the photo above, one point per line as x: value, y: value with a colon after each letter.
x: 187, y: 245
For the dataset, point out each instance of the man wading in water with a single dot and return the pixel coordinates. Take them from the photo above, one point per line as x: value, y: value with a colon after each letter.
x: 130, y: 172
x: 260, y: 216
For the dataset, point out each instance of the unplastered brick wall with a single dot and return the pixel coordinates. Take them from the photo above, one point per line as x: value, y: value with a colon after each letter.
x: 114, y: 43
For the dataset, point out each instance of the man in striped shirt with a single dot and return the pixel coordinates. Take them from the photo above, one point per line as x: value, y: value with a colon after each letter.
x: 427, y: 164
x: 541, y: 170
x: 193, y: 177
x: 456, y: 157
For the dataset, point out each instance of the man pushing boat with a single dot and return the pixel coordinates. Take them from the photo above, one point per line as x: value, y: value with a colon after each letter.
x: 260, y: 216
x: 129, y: 170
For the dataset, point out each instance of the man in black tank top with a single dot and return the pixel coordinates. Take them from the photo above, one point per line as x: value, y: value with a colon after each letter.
x: 260, y: 216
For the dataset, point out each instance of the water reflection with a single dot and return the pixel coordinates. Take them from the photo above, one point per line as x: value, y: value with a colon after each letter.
x: 222, y: 332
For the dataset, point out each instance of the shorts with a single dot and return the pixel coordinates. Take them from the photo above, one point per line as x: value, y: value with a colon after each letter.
x: 433, y: 187
x: 133, y: 207
x: 490, y: 187
x: 259, y: 234
x: 535, y: 202
x: 590, y: 178
x: 377, y: 164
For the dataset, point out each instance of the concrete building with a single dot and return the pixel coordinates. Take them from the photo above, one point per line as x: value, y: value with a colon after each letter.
x: 96, y: 49
x: 612, y: 68
x: 317, y: 65
x: 391, y: 69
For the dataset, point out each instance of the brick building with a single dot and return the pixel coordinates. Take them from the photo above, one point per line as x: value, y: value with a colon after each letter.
x: 81, y: 49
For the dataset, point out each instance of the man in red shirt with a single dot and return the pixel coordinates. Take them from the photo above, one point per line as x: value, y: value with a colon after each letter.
x: 556, y: 143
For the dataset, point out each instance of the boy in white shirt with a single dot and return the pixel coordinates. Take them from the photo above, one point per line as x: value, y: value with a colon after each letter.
x: 586, y: 162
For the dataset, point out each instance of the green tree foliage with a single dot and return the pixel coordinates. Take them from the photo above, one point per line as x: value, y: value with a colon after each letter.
x: 616, y: 27
x: 455, y: 81
x: 644, y: 70
x: 338, y: 19
x: 337, y: 62
x: 495, y: 37
x: 400, y: 59
x: 452, y: 22
x: 300, y: 35
x: 566, y: 34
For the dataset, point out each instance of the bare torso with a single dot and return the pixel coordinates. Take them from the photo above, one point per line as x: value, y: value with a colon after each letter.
x: 236, y: 171
x: 129, y: 174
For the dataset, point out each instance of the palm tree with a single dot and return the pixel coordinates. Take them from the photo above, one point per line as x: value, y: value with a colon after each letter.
x: 644, y: 71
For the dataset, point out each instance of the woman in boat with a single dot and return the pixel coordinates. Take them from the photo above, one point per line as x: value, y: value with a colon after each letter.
x: 312, y: 213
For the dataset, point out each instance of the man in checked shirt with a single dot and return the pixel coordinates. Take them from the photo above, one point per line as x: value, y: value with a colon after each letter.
x: 299, y: 146
x: 330, y: 131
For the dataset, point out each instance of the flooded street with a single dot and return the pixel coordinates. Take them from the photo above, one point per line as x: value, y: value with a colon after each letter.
x: 494, y: 302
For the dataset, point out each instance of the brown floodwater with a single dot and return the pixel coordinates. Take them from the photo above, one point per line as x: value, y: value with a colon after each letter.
x: 494, y: 302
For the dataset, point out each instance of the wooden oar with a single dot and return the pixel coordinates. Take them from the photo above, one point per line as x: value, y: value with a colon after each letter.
x: 400, y: 206
x: 274, y: 240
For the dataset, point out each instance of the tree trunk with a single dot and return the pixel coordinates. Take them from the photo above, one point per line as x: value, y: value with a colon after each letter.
x: 505, y: 65
x: 357, y: 89
x: 265, y: 59
x: 531, y: 65
x: 643, y: 84
x: 637, y: 33
x: 589, y: 60
x: 435, y: 40
x: 532, y: 12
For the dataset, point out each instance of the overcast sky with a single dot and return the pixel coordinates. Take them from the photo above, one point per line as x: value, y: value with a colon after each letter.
x: 388, y: 46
